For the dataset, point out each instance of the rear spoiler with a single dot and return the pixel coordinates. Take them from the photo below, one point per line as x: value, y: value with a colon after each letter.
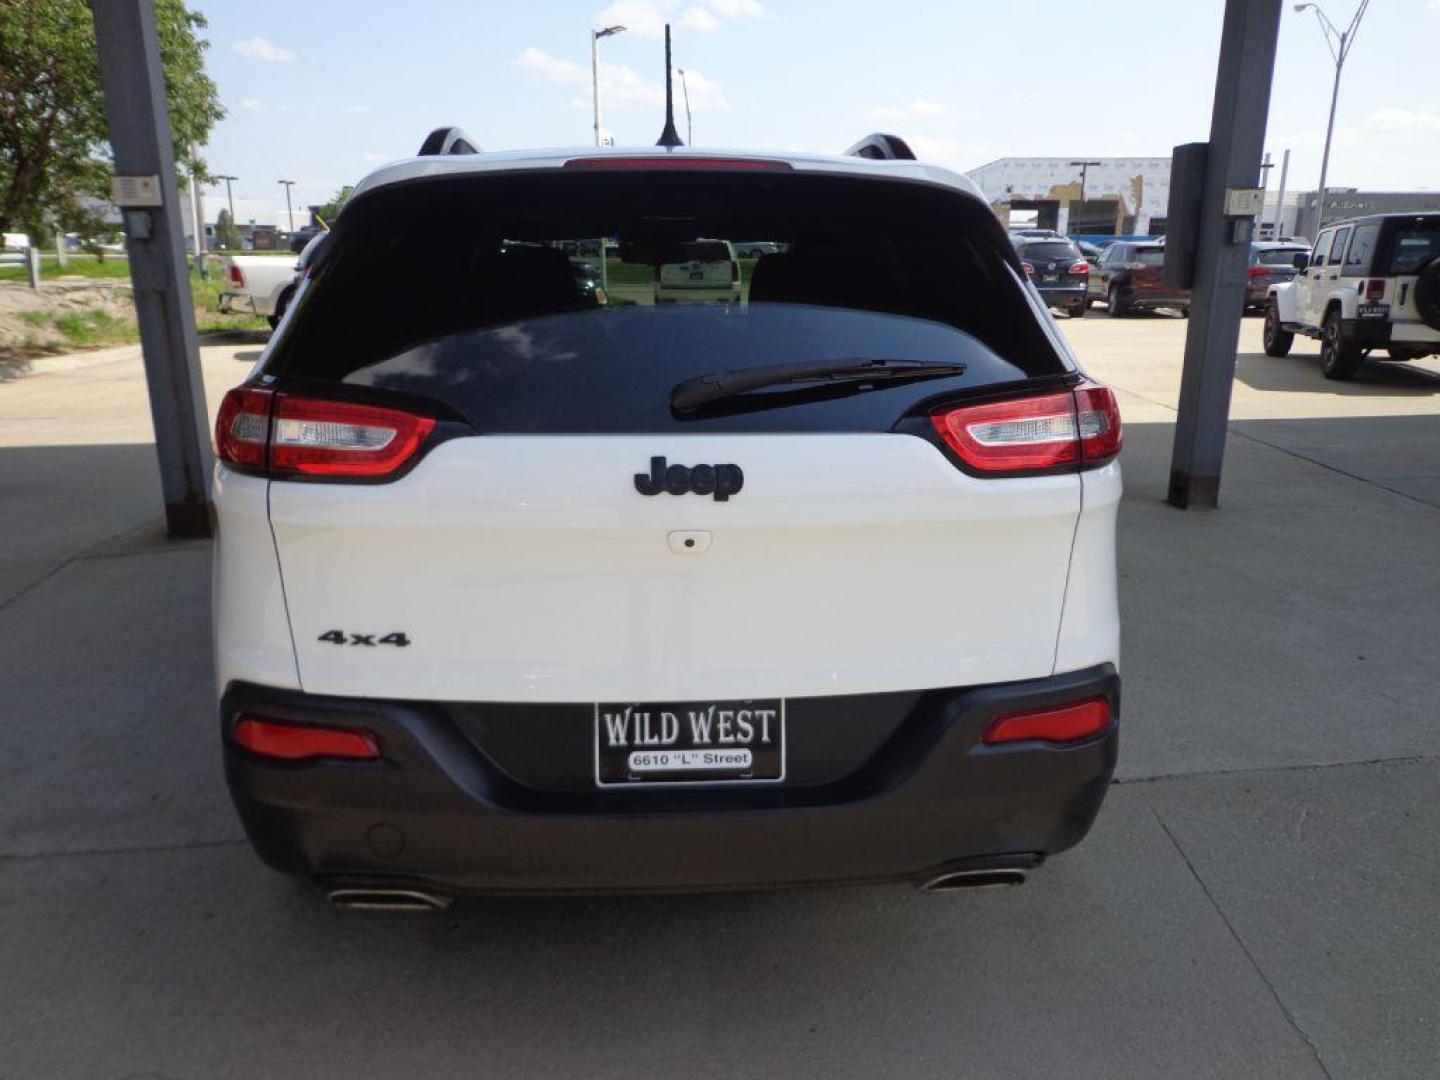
x: 882, y: 147
x: 447, y: 140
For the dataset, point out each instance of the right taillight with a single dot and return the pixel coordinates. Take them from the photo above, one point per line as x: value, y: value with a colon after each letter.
x: 1056, y: 432
x: 1259, y: 271
x: 237, y: 276
x: 280, y: 435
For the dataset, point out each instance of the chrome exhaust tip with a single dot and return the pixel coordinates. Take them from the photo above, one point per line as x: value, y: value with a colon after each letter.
x: 380, y: 899
x: 994, y: 877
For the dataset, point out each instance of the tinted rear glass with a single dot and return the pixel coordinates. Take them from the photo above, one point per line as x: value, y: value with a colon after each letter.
x: 1414, y: 246
x: 1280, y: 256
x: 1151, y: 256
x: 461, y: 290
x: 1051, y: 249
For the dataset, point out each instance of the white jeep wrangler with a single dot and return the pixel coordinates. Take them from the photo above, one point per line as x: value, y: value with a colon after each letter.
x: 1369, y: 283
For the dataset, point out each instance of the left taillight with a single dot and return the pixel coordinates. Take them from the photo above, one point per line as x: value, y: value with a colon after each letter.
x: 283, y: 435
x: 242, y: 428
x: 1055, y: 432
x: 1079, y: 267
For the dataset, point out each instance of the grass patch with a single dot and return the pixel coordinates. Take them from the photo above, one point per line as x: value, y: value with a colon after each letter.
x: 94, y: 326
x: 86, y: 266
x: 36, y: 318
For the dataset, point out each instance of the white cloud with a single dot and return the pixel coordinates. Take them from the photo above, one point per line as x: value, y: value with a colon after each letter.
x: 251, y: 104
x: 699, y: 18
x: 259, y: 48
x: 1424, y: 119
x: 621, y: 87
x: 737, y: 9
x: 643, y: 18
x: 551, y: 67
x: 647, y: 18
x: 916, y: 108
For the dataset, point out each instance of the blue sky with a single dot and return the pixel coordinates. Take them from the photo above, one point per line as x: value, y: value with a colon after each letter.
x: 323, y: 92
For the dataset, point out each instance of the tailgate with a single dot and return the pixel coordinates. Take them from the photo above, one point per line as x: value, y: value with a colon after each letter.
x: 531, y: 569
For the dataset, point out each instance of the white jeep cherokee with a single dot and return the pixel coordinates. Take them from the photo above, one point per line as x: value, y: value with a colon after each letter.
x: 519, y: 592
x: 1369, y: 283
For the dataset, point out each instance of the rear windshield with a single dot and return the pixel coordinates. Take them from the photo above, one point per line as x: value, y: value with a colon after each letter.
x: 1280, y: 256
x: 1051, y: 249
x: 1150, y: 256
x: 463, y: 291
x: 1414, y: 246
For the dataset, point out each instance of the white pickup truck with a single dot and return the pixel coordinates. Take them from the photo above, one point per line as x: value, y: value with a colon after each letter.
x: 265, y: 284
x: 1369, y: 283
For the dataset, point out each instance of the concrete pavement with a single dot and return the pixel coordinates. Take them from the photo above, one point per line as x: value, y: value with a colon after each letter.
x: 1257, y: 899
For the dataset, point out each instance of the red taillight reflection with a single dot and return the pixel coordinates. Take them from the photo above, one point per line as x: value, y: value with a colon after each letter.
x: 237, y: 276
x: 1048, y: 432
x: 1027, y: 266
x: 1259, y: 272
x: 296, y: 742
x: 1068, y: 723
x: 1081, y: 267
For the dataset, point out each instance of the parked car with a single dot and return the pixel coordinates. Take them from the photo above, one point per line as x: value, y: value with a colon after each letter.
x: 1369, y: 283
x: 1127, y: 277
x: 1089, y: 250
x: 301, y: 237
x: 587, y: 280
x: 754, y: 249
x: 814, y: 589
x: 1058, y: 270
x: 1271, y: 263
x: 699, y: 270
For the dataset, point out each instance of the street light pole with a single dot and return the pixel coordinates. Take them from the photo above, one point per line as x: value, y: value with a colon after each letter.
x: 229, y: 195
x: 595, y: 36
x: 684, y: 86
x: 1339, y: 43
x: 289, y: 213
x: 1084, y: 167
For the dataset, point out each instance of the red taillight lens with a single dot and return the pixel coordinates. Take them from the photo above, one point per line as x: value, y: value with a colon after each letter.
x: 260, y: 431
x: 295, y: 742
x: 1375, y: 289
x: 1027, y: 266
x: 1081, y: 267
x: 1035, y: 434
x: 237, y: 277
x: 1259, y: 272
x: 1068, y: 723
x: 242, y: 427
x: 336, y: 438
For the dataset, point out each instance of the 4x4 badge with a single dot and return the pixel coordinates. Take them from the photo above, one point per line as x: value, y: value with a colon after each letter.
x: 722, y: 481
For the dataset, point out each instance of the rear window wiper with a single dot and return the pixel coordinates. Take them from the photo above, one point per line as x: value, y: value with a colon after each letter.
x: 689, y: 395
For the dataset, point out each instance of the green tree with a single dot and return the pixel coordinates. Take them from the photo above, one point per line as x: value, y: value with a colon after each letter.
x: 331, y: 210
x: 227, y: 236
x: 54, y: 140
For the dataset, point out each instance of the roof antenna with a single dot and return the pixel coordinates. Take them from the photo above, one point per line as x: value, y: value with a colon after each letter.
x: 669, y: 138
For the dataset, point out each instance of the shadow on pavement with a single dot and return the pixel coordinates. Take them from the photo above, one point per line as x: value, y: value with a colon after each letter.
x: 1301, y: 372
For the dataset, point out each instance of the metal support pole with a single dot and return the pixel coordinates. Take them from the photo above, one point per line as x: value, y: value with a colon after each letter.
x: 32, y: 265
x: 1280, y: 196
x: 140, y: 135
x: 595, y: 80
x: 1237, y: 137
x: 197, y: 218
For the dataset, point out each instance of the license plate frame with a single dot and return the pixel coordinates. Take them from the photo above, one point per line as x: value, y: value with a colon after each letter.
x: 1049, y: 279
x: 1372, y: 311
x: 643, y: 759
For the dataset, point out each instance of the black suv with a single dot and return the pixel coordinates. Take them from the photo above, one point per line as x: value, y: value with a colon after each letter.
x: 1058, y: 269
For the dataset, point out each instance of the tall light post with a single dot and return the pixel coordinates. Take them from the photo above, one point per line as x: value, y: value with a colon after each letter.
x: 684, y: 86
x: 229, y: 195
x: 289, y: 213
x: 595, y: 36
x: 1084, y: 167
x: 1338, y: 42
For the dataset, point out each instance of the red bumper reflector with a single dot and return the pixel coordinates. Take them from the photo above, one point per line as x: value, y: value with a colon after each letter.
x: 1065, y: 724
x: 293, y: 742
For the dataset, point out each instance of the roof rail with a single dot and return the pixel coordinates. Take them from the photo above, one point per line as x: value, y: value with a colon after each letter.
x: 882, y: 147
x: 447, y: 140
